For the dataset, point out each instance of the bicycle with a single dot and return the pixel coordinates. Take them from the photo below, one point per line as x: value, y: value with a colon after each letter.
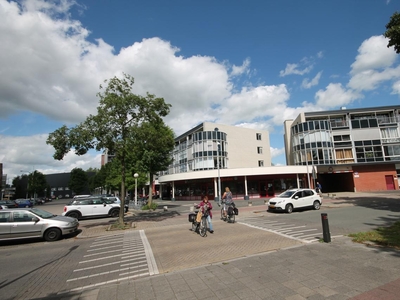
x: 230, y: 214
x: 199, y: 227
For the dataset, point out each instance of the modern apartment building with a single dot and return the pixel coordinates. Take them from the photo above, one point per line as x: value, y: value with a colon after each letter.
x: 239, y: 157
x: 352, y: 149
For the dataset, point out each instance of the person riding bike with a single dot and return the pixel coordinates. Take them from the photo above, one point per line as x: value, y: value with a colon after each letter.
x: 227, y: 201
x: 204, y: 206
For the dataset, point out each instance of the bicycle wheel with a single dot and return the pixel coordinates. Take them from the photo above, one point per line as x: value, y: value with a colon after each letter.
x: 194, y: 226
x: 231, y: 218
x: 203, y: 227
x: 222, y: 213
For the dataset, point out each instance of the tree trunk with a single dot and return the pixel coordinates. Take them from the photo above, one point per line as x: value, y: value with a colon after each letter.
x: 150, y: 189
x: 122, y: 198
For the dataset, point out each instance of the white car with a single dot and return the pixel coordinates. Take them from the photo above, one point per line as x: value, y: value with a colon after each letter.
x: 295, y: 198
x: 91, y: 207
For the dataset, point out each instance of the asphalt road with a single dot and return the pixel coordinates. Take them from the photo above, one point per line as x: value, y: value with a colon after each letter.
x: 35, y: 269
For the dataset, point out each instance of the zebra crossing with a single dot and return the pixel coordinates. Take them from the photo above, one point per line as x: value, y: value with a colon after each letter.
x: 301, y: 232
x: 112, y: 259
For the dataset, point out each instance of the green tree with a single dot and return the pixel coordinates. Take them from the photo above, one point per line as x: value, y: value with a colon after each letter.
x: 78, y: 181
x: 37, y: 184
x: 393, y: 32
x: 153, y: 144
x: 118, y: 114
x: 20, y: 185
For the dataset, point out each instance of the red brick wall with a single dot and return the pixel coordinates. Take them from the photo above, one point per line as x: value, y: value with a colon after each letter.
x: 372, y: 178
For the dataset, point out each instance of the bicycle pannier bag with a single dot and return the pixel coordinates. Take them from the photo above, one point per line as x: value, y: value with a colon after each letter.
x: 192, y: 217
x: 230, y: 210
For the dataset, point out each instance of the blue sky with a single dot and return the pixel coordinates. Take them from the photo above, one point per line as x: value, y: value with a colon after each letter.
x: 245, y: 63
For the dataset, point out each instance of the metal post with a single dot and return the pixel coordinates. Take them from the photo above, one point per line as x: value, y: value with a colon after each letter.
x: 219, y: 176
x: 308, y: 173
x: 136, y: 175
x: 325, y: 228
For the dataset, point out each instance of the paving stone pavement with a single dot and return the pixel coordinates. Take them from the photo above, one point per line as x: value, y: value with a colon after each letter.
x: 285, y: 269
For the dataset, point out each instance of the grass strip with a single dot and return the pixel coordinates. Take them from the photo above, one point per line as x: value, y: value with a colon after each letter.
x: 383, y: 236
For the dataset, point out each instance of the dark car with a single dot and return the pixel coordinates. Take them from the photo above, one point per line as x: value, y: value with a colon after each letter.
x: 9, y: 203
x: 22, y: 203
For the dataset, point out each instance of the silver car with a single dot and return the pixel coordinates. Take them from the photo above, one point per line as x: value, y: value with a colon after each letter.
x: 34, y: 223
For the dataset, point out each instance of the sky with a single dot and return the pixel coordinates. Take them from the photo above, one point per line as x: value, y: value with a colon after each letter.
x: 253, y: 63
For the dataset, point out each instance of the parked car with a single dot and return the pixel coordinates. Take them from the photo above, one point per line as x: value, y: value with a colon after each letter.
x: 24, y: 203
x: 9, y: 203
x: 37, y: 201
x: 24, y: 223
x: 81, y: 196
x: 91, y: 207
x: 295, y: 198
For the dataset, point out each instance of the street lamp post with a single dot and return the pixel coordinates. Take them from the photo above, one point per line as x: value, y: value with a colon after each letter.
x: 136, y: 175
x: 219, y: 176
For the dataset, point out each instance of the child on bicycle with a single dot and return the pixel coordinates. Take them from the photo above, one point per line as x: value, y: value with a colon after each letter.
x: 204, y: 206
x: 227, y: 200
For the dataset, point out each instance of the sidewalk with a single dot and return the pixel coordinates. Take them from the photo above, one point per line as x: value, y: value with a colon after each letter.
x: 338, y: 270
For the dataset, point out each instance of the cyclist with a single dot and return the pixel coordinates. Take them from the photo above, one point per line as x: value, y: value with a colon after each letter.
x: 204, y: 206
x: 227, y: 200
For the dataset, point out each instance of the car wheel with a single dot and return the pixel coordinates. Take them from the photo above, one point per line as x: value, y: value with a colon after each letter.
x: 52, y: 234
x: 74, y: 214
x: 316, y: 205
x: 289, y: 208
x: 114, y: 213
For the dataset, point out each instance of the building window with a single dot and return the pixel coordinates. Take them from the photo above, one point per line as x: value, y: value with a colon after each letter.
x: 261, y: 163
x: 259, y: 150
x: 344, y: 156
x: 258, y: 136
x: 392, y: 152
x: 390, y: 135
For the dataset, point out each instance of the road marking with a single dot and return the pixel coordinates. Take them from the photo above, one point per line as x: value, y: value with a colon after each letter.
x: 132, y: 257
x: 291, y: 231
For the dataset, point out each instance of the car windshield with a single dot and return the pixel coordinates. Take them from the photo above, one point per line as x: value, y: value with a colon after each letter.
x: 287, y: 194
x: 41, y: 213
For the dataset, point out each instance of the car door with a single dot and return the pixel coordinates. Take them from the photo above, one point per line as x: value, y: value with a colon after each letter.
x: 100, y: 208
x: 85, y: 207
x: 5, y: 224
x: 23, y: 225
x: 297, y: 199
x: 308, y: 198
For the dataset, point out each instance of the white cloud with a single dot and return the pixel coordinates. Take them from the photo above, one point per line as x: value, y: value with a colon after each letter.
x: 335, y: 95
x: 396, y: 88
x: 277, y: 151
x: 373, y: 65
x: 293, y: 69
x: 31, y: 153
x: 306, y: 84
x: 243, y: 69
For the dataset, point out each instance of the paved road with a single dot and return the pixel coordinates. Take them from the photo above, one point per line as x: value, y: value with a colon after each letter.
x: 171, y: 247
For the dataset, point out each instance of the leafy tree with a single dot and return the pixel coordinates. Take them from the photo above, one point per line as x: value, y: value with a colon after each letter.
x: 20, y: 185
x: 393, y: 32
x: 78, y: 180
x: 153, y: 144
x: 118, y: 115
x: 36, y: 184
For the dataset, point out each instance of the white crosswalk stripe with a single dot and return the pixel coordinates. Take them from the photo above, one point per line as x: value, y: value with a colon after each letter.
x: 291, y: 230
x: 114, y: 259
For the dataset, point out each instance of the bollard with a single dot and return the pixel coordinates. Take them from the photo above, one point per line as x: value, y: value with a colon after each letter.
x: 325, y: 228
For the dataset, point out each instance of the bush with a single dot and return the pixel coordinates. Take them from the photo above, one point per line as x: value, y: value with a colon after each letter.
x: 153, y: 206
